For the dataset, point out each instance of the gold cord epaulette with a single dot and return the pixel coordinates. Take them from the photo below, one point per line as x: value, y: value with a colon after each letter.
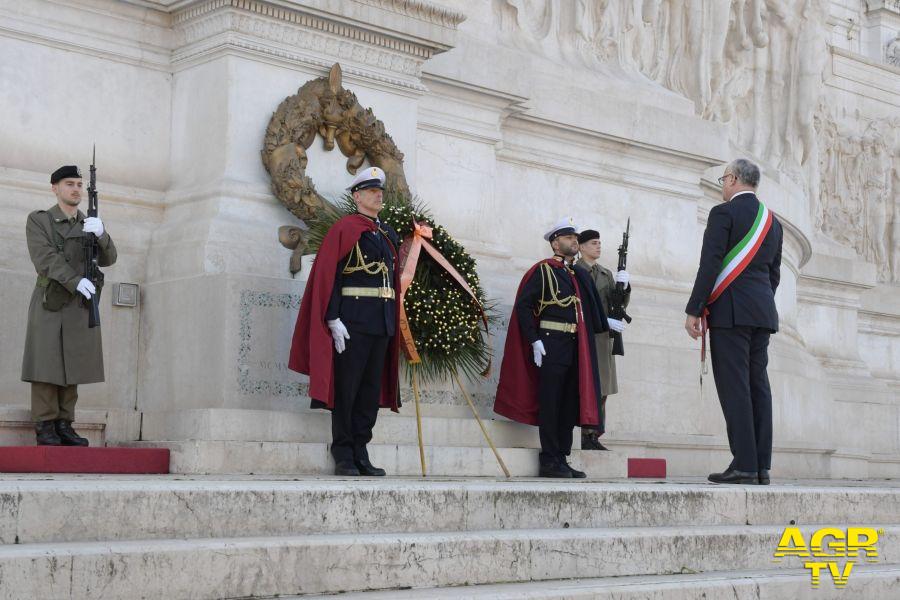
x: 372, y: 268
x: 549, y: 284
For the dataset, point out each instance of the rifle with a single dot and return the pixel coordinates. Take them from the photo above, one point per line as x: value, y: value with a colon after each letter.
x: 92, y: 252
x: 617, y: 296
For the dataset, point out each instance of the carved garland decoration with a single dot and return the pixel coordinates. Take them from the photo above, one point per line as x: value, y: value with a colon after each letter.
x: 443, y: 306
x: 323, y: 107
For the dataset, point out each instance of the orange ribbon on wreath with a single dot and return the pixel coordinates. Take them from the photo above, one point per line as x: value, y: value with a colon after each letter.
x: 410, y: 250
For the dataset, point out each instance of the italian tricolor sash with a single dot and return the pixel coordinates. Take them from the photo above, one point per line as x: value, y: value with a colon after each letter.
x: 735, y: 262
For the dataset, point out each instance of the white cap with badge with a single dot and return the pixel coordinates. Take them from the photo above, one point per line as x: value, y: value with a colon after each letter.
x: 565, y: 226
x: 370, y: 177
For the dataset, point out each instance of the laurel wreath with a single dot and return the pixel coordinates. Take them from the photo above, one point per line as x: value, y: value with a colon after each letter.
x: 445, y: 322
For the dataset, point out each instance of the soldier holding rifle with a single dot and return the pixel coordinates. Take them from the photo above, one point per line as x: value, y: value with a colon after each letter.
x: 62, y: 342
x: 614, y: 292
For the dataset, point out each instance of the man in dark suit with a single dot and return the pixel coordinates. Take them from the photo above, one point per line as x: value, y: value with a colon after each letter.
x: 735, y: 289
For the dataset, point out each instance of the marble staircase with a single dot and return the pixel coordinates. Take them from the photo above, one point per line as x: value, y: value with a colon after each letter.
x: 211, y: 537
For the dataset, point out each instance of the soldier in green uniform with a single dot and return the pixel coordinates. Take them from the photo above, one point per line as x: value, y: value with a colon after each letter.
x: 605, y: 282
x: 61, y: 351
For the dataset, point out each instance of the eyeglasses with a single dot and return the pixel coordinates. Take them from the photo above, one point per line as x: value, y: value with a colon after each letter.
x: 721, y: 179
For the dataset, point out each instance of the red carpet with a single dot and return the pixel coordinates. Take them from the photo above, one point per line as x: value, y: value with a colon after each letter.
x: 68, y: 459
x: 647, y: 467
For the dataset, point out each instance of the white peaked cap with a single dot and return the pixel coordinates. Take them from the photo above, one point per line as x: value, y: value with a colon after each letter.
x: 566, y: 223
x: 367, y: 178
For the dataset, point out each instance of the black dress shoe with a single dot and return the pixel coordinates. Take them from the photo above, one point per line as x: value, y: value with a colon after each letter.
x: 734, y: 476
x: 68, y: 435
x: 367, y: 468
x: 763, y: 477
x: 45, y: 434
x: 576, y: 474
x: 556, y: 471
x: 346, y: 468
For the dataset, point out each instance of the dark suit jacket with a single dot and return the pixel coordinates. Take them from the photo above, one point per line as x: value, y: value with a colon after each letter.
x: 750, y: 299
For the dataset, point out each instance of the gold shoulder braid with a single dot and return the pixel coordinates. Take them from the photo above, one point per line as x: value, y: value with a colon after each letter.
x: 372, y: 268
x: 549, y: 284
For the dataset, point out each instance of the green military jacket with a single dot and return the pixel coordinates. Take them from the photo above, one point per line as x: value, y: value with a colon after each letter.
x: 606, y: 364
x: 60, y: 348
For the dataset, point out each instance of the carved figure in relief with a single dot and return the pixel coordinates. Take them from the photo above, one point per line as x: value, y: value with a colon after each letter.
x: 892, y: 51
x: 826, y: 185
x: 784, y: 23
x: 895, y: 206
x: 811, y: 57
x: 858, y: 192
x: 875, y: 190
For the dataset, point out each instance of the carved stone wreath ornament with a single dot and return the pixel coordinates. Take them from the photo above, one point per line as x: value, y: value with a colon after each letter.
x: 323, y: 107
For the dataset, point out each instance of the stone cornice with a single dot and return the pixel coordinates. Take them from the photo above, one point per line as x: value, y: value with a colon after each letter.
x: 311, y: 20
x: 123, y: 34
x: 417, y: 9
x: 420, y: 9
x: 264, y: 38
x: 870, y: 78
x: 534, y: 141
x: 879, y: 323
x: 382, y: 41
x: 888, y: 6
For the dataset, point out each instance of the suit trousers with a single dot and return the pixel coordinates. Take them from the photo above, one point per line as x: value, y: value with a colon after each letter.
x: 357, y: 392
x: 739, y: 360
x: 50, y: 401
x: 558, y: 399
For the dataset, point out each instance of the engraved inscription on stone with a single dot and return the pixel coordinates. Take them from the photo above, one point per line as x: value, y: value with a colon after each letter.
x: 266, y: 326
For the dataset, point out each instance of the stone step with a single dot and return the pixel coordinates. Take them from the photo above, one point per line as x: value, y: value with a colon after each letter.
x: 334, y: 563
x: 17, y: 427
x: 315, y: 426
x: 867, y: 582
x: 229, y: 457
x: 41, y: 511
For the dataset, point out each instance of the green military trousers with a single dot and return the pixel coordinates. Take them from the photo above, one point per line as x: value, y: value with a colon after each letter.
x: 50, y: 402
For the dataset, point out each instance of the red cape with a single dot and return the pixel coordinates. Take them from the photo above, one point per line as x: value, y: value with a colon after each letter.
x: 517, y: 391
x: 312, y: 349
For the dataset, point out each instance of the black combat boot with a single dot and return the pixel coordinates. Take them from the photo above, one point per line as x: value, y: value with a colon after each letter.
x: 46, y: 434
x: 590, y: 440
x: 67, y: 435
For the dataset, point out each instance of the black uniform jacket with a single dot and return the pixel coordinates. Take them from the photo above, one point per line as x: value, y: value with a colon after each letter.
x: 365, y: 314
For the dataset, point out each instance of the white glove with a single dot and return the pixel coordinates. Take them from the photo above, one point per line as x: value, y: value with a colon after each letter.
x: 339, y: 334
x: 93, y: 225
x: 539, y: 352
x: 623, y: 277
x: 86, y: 288
x: 616, y: 325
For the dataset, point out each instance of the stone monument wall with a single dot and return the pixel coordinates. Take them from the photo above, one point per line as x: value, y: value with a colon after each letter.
x: 510, y: 113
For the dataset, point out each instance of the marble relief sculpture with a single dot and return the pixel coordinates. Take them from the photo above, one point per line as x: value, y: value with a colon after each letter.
x: 757, y: 65
x: 892, y: 51
x: 858, y: 194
